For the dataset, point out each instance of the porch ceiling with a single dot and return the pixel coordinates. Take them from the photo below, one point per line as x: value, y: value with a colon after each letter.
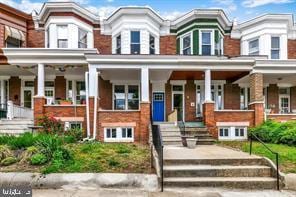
x: 280, y: 79
x: 10, y: 70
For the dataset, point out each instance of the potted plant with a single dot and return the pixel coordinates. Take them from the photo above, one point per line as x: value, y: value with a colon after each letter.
x: 65, y: 102
x: 189, y: 141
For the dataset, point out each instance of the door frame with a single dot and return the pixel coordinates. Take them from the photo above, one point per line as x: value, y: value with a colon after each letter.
x: 183, y: 98
x: 164, y: 104
x: 289, y: 102
x: 23, y: 88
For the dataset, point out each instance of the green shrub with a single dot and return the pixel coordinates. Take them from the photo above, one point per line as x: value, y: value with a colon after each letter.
x: 22, y: 141
x: 8, y: 161
x: 112, y: 162
x: 76, y: 133
x: 48, y: 144
x: 276, y: 133
x: 38, y: 159
x: 5, y: 152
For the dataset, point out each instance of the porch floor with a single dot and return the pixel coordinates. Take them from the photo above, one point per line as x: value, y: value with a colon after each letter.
x: 204, y: 152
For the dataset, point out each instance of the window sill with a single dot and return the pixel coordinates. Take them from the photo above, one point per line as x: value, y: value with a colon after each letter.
x: 71, y: 105
x: 118, y: 140
x: 111, y: 110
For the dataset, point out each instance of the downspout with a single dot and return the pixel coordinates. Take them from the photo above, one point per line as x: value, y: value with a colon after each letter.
x: 95, y: 106
x: 87, y: 106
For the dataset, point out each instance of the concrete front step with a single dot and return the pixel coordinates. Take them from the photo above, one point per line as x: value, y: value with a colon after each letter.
x: 229, y: 182
x: 170, y: 133
x: 216, y: 171
x: 15, y: 126
x: 248, y: 161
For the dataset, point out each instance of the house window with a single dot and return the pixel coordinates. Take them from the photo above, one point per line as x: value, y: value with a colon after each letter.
x: 206, y: 45
x: 135, y: 42
x: 224, y: 132
x: 62, y: 36
x: 13, y: 43
x: 49, y: 92
x: 233, y: 133
x: 5, y: 85
x: 244, y: 98
x: 275, y: 47
x: 284, y: 100
x: 119, y: 134
x: 126, y: 97
x: 239, y: 132
x: 186, y: 45
x: 48, y: 38
x: 152, y: 44
x: 76, y: 92
x: 219, y: 45
x: 82, y: 38
x: 198, y: 101
x: 73, y: 125
x: 254, y: 47
x: 118, y: 44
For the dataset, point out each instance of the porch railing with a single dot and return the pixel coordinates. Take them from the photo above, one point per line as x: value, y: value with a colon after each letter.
x: 253, y: 136
x: 15, y: 111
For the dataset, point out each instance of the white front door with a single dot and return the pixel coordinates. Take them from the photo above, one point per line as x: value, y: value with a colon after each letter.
x: 178, y: 101
x: 284, y: 104
x: 27, y: 97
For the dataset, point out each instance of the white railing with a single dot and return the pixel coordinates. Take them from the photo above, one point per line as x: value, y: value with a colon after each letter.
x: 15, y: 111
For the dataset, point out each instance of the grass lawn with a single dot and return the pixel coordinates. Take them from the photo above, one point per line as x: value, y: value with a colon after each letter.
x: 287, y: 154
x: 95, y: 157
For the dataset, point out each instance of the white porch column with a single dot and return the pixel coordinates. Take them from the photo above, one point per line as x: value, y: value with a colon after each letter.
x: 92, y: 81
x: 144, y: 84
x: 2, y: 92
x: 41, y: 78
x: 208, y: 85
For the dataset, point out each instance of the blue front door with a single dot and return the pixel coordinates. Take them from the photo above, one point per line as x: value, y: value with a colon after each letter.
x: 158, y: 107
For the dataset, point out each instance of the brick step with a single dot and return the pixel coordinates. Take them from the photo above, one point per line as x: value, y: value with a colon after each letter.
x: 228, y: 182
x: 247, y: 161
x: 216, y: 171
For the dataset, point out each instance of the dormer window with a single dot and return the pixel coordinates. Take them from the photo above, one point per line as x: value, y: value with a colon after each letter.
x: 82, y: 38
x: 152, y: 44
x: 62, y: 37
x: 14, y: 38
x: 254, y: 47
x: 135, y: 42
x: 206, y: 45
x: 186, y: 44
x: 118, y: 44
x: 275, y: 47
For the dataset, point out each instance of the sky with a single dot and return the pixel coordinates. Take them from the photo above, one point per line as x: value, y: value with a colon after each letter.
x: 242, y: 10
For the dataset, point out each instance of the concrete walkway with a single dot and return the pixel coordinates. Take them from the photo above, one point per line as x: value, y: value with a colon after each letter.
x: 204, y: 152
x: 194, y: 192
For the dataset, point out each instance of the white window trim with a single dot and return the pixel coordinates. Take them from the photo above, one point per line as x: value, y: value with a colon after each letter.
x: 119, y: 137
x: 279, y: 49
x: 126, y: 95
x: 115, y: 52
x: 87, y: 33
x: 288, y: 95
x: 212, y: 40
x: 231, y: 133
x: 253, y: 39
x: 67, y: 125
x: 50, y: 89
x: 191, y: 42
x: 183, y: 97
x: 130, y: 39
x: 57, y: 35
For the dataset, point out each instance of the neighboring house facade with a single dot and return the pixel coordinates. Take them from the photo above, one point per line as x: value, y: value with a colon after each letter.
x: 134, y: 65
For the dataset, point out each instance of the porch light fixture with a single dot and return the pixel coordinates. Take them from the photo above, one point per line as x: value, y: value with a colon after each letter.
x: 279, y: 79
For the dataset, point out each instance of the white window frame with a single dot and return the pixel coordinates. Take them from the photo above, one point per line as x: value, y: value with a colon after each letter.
x: 211, y: 31
x: 74, y: 93
x: 285, y: 96
x: 222, y: 43
x: 126, y: 96
x: 46, y: 88
x: 57, y: 35
x: 231, y: 133
x: 68, y: 125
x: 119, y: 137
x: 151, y: 35
x: 81, y: 29
x: 273, y: 49
x: 120, y: 47
x: 131, y: 43
x: 191, y: 42
x: 183, y: 97
x: 249, y: 52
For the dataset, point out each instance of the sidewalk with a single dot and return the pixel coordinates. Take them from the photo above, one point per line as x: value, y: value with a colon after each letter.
x: 194, y: 192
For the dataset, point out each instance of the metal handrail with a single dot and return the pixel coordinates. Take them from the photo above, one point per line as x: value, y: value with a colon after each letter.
x: 182, y: 127
x: 273, y: 152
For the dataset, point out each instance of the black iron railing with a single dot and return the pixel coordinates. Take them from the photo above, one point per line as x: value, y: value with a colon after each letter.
x: 182, y: 127
x: 252, y: 137
x: 158, y: 144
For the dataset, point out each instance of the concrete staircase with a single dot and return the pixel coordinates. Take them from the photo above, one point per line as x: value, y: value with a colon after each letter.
x: 171, y: 134
x: 15, y: 126
x: 239, y: 173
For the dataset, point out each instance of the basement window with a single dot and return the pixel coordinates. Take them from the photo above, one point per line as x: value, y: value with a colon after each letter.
x: 119, y: 134
x: 233, y: 133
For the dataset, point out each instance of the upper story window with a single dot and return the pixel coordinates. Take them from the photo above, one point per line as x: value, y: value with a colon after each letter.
x: 13, y: 43
x: 275, y: 47
x: 118, y: 44
x: 186, y: 44
x: 206, y: 45
x: 135, y: 42
x: 152, y: 44
x: 82, y: 38
x: 254, y: 47
x: 62, y: 36
x: 219, y: 45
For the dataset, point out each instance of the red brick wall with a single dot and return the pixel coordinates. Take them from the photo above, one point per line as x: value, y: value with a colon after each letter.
x: 39, y: 103
x: 15, y: 90
x: 291, y: 49
x: 102, y: 42
x: 273, y: 97
x: 119, y: 117
x: 60, y: 84
x: 231, y: 46
x: 105, y: 92
x: 35, y: 38
x: 190, y: 97
x: 235, y: 116
x: 168, y: 98
x: 231, y: 96
x: 167, y: 45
